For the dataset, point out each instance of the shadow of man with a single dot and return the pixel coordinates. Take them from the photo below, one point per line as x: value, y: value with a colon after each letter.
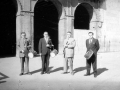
x: 57, y: 69
x: 36, y: 71
x: 79, y: 69
x: 3, y: 77
x: 101, y: 70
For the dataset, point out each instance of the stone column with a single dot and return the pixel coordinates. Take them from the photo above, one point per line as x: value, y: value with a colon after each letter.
x: 70, y: 20
x: 62, y: 33
x: 69, y: 17
x: 18, y: 32
x: 32, y: 30
x: 27, y: 25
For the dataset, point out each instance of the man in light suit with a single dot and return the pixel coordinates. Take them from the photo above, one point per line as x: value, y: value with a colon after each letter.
x: 92, y: 44
x: 24, y: 46
x: 69, y: 45
x: 45, y: 45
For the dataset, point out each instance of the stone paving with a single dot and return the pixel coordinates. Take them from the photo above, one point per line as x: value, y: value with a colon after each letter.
x: 108, y: 74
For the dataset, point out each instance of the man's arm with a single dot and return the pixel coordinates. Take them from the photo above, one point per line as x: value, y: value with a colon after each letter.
x: 50, y: 43
x: 73, y: 44
x: 40, y: 46
x: 97, y: 45
x: 29, y: 44
x: 86, y: 45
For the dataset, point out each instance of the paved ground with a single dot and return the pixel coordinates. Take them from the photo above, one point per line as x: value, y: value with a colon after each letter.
x: 108, y: 74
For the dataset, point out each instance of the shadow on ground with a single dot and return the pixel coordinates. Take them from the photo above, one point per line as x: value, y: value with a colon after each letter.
x: 57, y: 69
x: 79, y: 69
x: 101, y: 70
x: 3, y: 77
x: 38, y: 70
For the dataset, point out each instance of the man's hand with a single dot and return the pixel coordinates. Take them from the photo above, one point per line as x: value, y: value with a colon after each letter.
x: 40, y: 54
x: 66, y: 46
x: 47, y: 45
x: 22, y: 51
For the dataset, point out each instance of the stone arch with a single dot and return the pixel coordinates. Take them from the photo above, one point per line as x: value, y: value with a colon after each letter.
x: 83, y: 15
x: 56, y: 3
x: 19, y: 7
x: 48, y: 24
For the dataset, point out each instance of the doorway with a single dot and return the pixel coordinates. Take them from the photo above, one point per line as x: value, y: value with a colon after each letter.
x: 45, y: 19
x: 8, y: 28
x: 83, y: 15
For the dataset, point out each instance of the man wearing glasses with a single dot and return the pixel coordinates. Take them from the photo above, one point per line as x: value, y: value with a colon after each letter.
x: 24, y: 46
x: 45, y: 45
x: 93, y: 45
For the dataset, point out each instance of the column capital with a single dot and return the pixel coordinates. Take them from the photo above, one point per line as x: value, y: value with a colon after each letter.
x: 69, y: 16
x: 26, y: 13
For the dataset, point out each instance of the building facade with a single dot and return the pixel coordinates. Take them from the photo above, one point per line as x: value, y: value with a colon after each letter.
x: 78, y: 16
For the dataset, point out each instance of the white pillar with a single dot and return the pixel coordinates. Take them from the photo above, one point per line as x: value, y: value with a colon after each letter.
x: 18, y: 32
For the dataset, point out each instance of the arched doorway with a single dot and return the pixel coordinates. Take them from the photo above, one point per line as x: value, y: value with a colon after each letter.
x: 83, y: 15
x: 8, y: 9
x: 45, y: 19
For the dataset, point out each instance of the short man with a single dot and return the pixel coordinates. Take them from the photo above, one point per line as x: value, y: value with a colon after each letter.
x: 92, y: 44
x: 24, y: 46
x: 45, y: 45
x: 69, y: 45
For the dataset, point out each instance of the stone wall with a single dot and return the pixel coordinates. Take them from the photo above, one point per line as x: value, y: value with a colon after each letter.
x: 105, y: 20
x: 112, y: 20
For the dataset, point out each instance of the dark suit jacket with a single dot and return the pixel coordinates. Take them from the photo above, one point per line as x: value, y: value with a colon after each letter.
x: 94, y: 45
x: 42, y: 46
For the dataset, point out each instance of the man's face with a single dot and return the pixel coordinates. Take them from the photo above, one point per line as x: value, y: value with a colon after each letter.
x: 23, y: 35
x: 68, y: 35
x: 90, y: 35
x: 45, y: 34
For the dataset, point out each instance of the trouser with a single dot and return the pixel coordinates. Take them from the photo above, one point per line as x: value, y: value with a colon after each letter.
x: 45, y: 62
x: 24, y: 61
x: 70, y: 60
x: 93, y: 61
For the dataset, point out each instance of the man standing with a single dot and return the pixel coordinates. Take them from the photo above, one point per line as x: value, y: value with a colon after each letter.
x: 69, y: 44
x: 92, y: 44
x: 24, y: 46
x: 45, y: 45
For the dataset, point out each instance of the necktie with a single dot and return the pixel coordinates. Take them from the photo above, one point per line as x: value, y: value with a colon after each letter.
x: 90, y: 40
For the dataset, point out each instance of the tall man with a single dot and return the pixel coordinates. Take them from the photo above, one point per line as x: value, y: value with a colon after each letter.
x: 92, y: 44
x: 45, y: 45
x: 69, y: 44
x: 24, y: 46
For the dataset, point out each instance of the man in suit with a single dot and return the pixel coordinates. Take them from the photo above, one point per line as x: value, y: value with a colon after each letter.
x: 92, y: 44
x: 45, y: 45
x: 69, y: 45
x: 24, y: 46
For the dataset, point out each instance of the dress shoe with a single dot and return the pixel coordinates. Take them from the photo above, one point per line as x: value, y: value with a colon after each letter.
x: 72, y: 73
x: 88, y: 74
x: 21, y: 74
x: 64, y: 72
x: 48, y: 72
x: 95, y: 75
x: 95, y: 72
x: 28, y: 73
x: 42, y: 73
